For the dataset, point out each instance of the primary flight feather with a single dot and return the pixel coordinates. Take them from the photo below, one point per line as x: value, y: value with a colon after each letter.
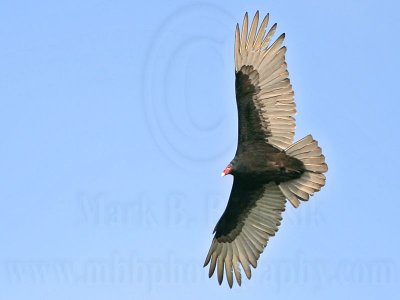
x: 267, y: 168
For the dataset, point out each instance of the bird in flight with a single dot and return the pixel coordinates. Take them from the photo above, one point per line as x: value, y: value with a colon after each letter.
x: 268, y: 167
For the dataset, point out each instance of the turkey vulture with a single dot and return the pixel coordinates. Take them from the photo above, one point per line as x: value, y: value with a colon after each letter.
x: 268, y: 167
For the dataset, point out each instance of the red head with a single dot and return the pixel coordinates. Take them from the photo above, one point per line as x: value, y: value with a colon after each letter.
x: 227, y: 170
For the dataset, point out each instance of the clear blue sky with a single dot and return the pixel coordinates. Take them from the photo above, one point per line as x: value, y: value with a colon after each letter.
x: 116, y: 119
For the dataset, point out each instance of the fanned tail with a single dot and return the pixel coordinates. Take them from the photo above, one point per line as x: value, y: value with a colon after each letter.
x: 313, y: 179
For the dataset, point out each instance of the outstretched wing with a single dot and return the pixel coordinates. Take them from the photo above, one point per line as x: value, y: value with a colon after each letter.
x: 252, y: 215
x: 264, y: 95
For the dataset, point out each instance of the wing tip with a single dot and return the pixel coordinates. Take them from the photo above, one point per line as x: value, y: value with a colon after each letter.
x: 245, y: 18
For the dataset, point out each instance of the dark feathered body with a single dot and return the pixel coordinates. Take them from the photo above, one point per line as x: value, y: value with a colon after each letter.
x: 263, y: 163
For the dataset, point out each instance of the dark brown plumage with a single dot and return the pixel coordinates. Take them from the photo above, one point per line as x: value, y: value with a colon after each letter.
x: 267, y: 167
